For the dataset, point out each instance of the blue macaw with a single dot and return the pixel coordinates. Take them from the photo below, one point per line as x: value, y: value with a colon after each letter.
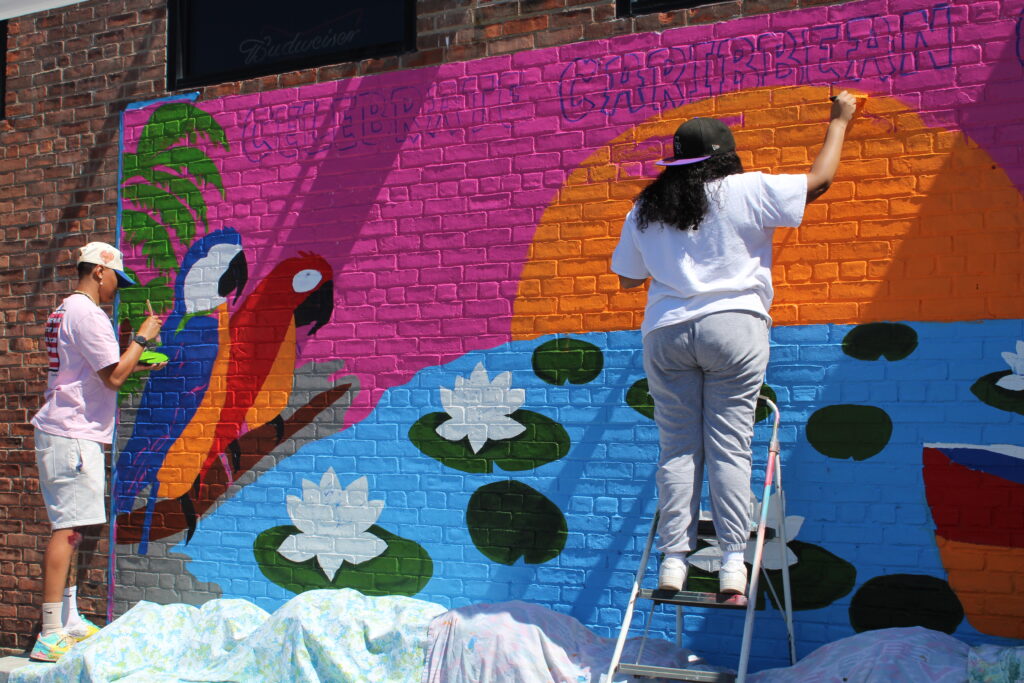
x: 213, y: 268
x: 248, y: 385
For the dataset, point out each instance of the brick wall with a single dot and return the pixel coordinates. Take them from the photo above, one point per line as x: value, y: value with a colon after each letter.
x: 468, y: 230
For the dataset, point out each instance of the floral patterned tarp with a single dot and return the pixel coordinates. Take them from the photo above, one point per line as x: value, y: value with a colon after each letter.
x: 517, y: 642
x: 344, y: 636
x: 322, y: 635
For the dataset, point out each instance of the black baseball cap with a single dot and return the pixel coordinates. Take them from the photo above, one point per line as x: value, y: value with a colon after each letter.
x: 699, y: 139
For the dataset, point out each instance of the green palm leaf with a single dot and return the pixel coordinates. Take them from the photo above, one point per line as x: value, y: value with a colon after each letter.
x: 190, y: 161
x: 185, y: 161
x: 176, y: 122
x: 141, y: 228
x: 170, y: 209
x: 180, y: 187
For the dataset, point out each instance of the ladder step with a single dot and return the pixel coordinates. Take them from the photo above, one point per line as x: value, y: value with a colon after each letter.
x: 696, y: 675
x: 694, y: 598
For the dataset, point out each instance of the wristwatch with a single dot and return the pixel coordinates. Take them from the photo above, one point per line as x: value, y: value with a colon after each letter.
x: 140, y: 340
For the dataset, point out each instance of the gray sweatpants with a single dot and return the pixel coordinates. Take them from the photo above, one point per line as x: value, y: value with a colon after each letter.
x: 704, y: 376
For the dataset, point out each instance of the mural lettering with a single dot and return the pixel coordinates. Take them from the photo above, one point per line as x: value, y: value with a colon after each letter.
x: 664, y: 78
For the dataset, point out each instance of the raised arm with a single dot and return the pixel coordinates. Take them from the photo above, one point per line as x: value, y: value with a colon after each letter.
x: 823, y: 170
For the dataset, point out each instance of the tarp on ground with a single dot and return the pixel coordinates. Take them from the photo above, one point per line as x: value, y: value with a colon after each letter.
x: 344, y: 636
x: 322, y: 635
x: 517, y: 642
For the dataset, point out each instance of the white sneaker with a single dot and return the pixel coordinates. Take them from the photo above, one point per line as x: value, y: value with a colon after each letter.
x: 732, y: 578
x: 672, y: 576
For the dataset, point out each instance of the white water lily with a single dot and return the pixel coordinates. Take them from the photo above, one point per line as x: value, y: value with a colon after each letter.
x: 775, y: 553
x: 479, y: 408
x: 1014, y: 381
x: 333, y: 522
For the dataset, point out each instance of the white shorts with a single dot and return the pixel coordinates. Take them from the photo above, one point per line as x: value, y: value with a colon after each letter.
x: 71, y: 479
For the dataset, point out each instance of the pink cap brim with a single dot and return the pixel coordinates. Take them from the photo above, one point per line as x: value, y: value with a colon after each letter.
x: 672, y: 161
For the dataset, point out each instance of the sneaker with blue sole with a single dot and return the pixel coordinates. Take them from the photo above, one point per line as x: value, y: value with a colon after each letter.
x: 51, y: 647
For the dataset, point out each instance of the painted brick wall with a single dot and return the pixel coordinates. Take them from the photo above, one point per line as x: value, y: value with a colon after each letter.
x: 463, y: 214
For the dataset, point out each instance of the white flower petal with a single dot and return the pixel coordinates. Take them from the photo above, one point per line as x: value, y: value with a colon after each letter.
x: 515, y: 398
x: 1011, y: 382
x: 477, y: 437
x: 295, y: 506
x: 793, y: 525
x: 776, y: 555
x: 358, y: 492
x: 446, y: 399
x: 479, y: 375
x: 290, y: 550
x: 480, y: 407
x: 310, y: 493
x: 503, y: 381
x: 329, y: 562
x: 329, y: 482
x: 452, y: 430
x: 505, y: 430
x: 1015, y: 361
x: 360, y: 548
x: 333, y: 522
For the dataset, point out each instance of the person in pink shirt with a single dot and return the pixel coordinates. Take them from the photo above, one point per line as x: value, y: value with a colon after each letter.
x: 86, y: 368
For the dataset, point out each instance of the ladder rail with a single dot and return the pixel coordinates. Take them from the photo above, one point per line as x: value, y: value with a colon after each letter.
x: 773, y: 474
x: 631, y: 605
x: 755, y: 574
x: 787, y: 593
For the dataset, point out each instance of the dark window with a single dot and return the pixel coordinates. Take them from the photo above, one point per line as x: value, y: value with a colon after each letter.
x: 228, y: 40
x: 3, y: 69
x: 631, y: 8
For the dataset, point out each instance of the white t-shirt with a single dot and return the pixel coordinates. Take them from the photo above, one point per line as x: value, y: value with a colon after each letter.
x: 79, y: 342
x: 725, y: 264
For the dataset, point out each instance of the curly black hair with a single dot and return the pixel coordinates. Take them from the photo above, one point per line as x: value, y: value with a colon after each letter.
x: 677, y: 196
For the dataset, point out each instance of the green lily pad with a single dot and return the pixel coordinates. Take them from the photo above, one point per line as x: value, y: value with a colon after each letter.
x: 639, y: 398
x: 567, y: 360
x: 543, y: 441
x: 902, y: 600
x: 508, y: 520
x: 871, y: 341
x: 849, y: 431
x: 403, y: 569
x: 997, y: 397
x: 818, y: 578
x: 762, y: 412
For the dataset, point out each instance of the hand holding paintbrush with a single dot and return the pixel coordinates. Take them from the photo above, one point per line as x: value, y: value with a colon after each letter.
x: 150, y: 330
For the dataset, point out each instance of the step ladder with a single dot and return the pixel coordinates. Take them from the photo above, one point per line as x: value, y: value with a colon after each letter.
x: 773, y: 477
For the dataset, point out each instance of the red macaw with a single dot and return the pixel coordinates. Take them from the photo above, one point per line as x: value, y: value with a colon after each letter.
x: 253, y: 385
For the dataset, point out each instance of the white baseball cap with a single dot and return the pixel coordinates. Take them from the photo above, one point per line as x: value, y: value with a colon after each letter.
x: 102, y: 254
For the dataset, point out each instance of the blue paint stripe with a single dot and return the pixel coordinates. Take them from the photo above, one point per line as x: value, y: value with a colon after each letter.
x: 989, y: 462
x: 114, y: 454
x: 189, y: 96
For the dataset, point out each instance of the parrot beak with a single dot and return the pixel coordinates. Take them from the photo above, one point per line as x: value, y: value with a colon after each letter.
x: 235, y: 277
x: 316, y: 308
